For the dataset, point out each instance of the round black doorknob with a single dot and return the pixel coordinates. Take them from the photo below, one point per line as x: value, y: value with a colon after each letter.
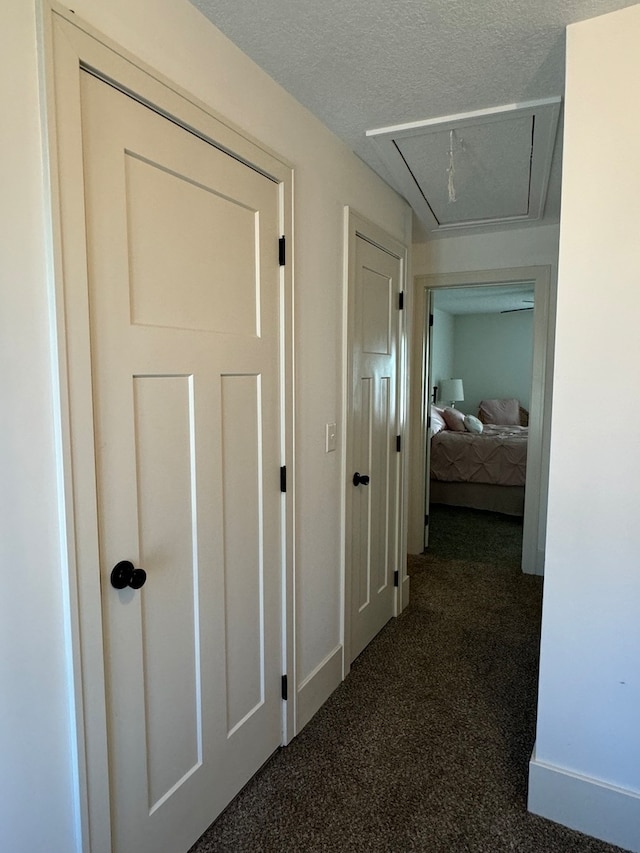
x: 360, y: 479
x: 124, y: 574
x: 138, y: 578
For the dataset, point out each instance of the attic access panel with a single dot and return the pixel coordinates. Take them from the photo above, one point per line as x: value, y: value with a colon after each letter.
x: 501, y: 157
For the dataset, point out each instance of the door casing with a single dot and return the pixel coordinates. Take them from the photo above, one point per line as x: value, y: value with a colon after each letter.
x: 534, y: 530
x: 356, y: 225
x: 67, y: 46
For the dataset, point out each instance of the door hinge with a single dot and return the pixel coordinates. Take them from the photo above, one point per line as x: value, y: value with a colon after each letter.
x: 283, y: 478
x: 401, y: 300
x: 398, y: 443
x: 396, y: 578
x: 282, y: 252
x: 431, y: 319
x: 285, y: 689
x: 426, y: 521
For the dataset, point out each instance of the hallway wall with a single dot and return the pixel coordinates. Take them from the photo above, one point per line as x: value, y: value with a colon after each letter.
x: 38, y: 771
x: 586, y: 769
x: 36, y: 766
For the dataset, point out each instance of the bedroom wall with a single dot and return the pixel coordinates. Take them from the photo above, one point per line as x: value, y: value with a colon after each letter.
x: 37, y: 810
x: 586, y: 768
x: 493, y: 354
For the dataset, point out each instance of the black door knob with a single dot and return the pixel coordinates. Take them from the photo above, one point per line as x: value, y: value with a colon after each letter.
x: 360, y: 479
x: 124, y: 574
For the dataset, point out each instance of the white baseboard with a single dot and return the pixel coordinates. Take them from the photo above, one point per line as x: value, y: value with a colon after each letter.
x: 588, y: 805
x: 314, y: 691
x: 404, y: 597
x: 538, y: 567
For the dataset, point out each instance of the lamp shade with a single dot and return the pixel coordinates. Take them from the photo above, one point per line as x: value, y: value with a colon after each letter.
x: 451, y: 389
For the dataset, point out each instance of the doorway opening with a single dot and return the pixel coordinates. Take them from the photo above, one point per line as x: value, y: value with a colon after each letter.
x: 538, y: 280
x: 484, y: 336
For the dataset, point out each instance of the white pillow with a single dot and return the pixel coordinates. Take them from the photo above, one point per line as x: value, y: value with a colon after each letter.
x: 437, y: 421
x: 472, y: 424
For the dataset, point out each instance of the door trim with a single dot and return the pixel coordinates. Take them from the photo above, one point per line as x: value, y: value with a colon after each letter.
x: 356, y: 225
x: 534, y: 529
x: 67, y: 47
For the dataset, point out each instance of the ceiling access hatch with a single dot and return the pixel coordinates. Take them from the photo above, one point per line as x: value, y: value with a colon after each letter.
x: 487, y: 167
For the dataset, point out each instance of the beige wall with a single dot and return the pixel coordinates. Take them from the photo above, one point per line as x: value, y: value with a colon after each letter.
x: 587, y: 763
x: 35, y: 747
x: 521, y: 247
x: 36, y: 732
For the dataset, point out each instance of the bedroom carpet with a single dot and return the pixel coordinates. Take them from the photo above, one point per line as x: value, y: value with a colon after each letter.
x: 425, y: 746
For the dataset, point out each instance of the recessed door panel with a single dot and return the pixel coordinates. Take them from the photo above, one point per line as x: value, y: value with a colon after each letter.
x: 243, y: 546
x: 383, y: 498
x: 376, y: 312
x: 362, y: 496
x: 165, y: 468
x: 172, y: 218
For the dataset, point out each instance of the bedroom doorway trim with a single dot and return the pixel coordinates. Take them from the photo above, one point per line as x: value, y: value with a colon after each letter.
x: 67, y: 47
x: 535, y: 509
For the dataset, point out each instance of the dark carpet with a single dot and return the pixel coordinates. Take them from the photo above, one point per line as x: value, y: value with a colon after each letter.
x: 426, y: 744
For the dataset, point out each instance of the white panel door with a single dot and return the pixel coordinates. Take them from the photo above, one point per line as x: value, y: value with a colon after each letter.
x: 184, y: 314
x: 373, y: 457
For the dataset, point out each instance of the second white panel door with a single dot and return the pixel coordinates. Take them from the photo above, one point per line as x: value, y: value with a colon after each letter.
x: 373, y: 456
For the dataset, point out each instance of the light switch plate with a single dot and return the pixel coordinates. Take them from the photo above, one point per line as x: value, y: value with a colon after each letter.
x: 330, y: 438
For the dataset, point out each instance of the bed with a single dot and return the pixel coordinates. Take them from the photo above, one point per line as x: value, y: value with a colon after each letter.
x: 481, y: 465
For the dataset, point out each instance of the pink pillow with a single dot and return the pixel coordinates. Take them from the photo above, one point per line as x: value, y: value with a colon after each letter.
x: 437, y: 421
x: 505, y: 412
x: 453, y: 418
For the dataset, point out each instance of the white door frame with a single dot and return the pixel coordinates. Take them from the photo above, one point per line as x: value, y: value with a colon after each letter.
x: 535, y: 509
x: 356, y: 226
x: 67, y: 47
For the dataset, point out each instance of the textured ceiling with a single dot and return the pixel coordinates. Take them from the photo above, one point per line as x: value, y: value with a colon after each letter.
x: 366, y: 64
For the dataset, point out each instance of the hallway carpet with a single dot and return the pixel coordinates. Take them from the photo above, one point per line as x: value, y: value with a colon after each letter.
x: 425, y: 746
